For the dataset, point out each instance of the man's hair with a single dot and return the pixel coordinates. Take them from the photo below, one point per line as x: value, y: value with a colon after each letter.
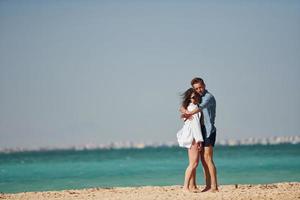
x: 197, y: 80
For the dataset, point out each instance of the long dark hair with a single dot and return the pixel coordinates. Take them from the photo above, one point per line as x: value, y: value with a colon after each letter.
x: 186, y: 97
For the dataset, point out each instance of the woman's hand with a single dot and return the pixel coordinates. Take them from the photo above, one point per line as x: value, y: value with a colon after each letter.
x: 199, y: 146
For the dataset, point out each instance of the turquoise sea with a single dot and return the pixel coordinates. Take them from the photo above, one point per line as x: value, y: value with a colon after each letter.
x: 70, y: 169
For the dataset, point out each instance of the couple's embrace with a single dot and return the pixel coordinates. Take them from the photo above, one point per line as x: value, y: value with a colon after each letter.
x: 198, y: 134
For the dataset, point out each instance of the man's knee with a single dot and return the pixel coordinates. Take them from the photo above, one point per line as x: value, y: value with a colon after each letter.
x: 207, y: 157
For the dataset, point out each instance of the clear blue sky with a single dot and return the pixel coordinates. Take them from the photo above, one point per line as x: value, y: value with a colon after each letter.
x: 76, y: 72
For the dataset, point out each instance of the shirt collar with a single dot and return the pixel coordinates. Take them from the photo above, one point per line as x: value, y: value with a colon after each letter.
x: 204, y: 93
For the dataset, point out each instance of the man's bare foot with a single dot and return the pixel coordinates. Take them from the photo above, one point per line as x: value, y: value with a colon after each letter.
x: 206, y: 189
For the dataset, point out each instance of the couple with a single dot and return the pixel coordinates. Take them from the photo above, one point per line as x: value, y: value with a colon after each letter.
x: 198, y: 135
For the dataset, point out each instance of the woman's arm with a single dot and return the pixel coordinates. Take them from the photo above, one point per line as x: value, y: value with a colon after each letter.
x: 183, y: 110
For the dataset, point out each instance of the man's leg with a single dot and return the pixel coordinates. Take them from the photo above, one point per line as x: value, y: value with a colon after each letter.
x: 208, y: 158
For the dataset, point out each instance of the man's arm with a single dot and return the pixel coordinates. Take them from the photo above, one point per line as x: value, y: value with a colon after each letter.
x: 206, y: 101
x: 188, y: 114
x: 184, y: 113
x: 196, y: 110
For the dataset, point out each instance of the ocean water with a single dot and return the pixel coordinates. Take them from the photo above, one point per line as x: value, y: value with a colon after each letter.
x: 70, y: 169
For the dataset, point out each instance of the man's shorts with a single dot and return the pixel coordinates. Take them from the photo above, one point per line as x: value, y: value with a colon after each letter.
x: 210, y: 140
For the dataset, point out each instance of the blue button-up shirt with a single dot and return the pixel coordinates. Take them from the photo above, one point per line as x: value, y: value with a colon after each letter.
x: 208, y: 107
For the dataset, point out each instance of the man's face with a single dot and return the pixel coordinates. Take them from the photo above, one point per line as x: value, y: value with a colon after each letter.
x: 199, y: 87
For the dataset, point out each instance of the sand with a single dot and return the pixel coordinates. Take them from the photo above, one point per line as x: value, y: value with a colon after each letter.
x: 282, y: 191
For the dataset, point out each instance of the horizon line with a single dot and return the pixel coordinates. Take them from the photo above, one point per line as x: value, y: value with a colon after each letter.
x: 272, y: 140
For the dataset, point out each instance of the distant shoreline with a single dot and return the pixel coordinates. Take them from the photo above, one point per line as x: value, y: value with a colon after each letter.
x: 275, y: 191
x: 276, y: 140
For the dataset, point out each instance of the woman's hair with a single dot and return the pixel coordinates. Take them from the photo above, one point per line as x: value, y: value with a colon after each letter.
x: 186, y: 97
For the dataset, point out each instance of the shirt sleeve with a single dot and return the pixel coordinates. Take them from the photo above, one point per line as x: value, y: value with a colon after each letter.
x: 196, y: 129
x: 205, y: 102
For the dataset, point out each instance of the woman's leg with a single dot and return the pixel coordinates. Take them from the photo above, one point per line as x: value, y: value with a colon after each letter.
x: 193, y: 184
x: 193, y: 154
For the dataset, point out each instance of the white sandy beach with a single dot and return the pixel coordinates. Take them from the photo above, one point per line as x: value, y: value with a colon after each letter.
x: 282, y: 191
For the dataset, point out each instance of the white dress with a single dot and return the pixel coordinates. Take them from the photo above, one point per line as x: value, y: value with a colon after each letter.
x: 190, y: 130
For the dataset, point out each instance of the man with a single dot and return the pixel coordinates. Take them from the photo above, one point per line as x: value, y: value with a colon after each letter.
x: 208, y: 109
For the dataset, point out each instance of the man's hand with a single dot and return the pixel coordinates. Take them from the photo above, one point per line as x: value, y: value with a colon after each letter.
x: 187, y: 116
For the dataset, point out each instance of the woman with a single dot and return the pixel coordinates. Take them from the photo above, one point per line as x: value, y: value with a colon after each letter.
x: 190, y: 137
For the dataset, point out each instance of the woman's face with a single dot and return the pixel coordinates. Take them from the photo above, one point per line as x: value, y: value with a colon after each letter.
x: 194, y: 99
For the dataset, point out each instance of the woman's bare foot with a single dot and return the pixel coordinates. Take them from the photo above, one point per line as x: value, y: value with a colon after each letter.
x: 189, y: 190
x: 194, y: 189
x: 186, y: 189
